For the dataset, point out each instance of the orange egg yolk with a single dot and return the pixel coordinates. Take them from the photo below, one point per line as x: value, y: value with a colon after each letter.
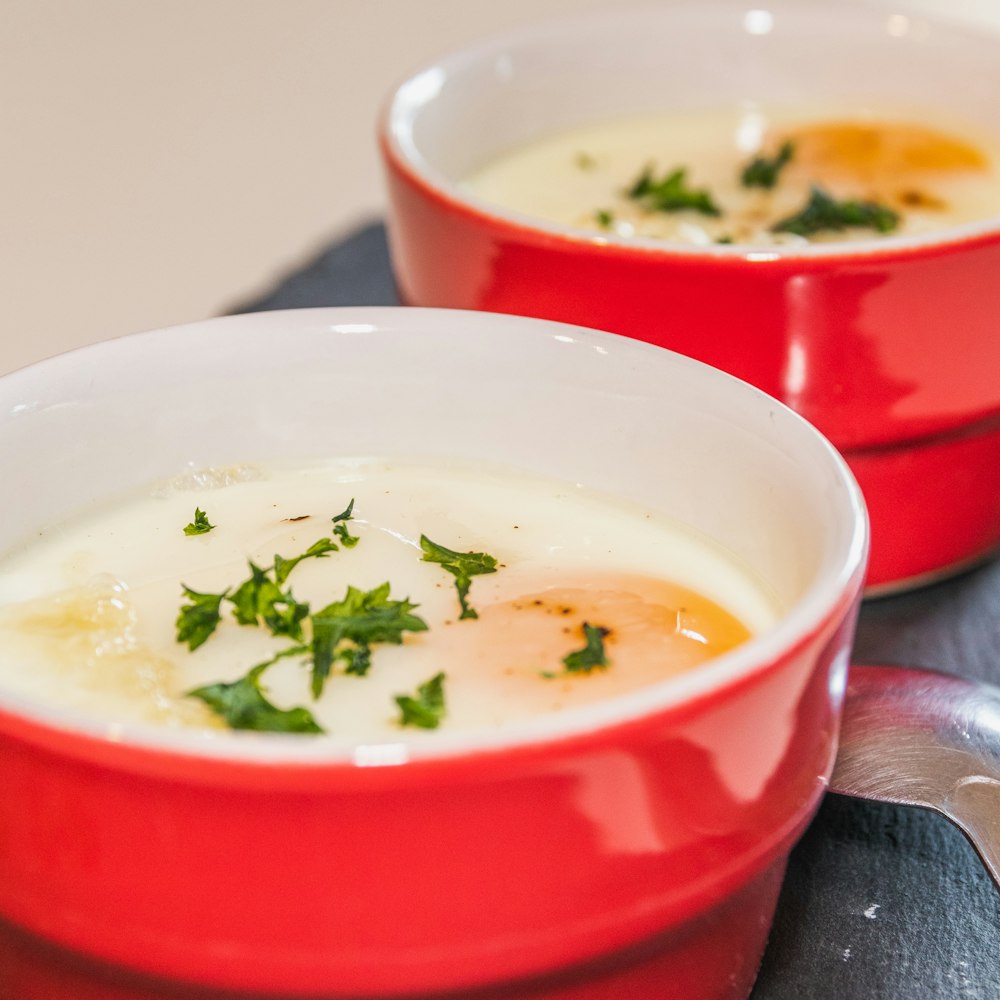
x: 652, y: 630
x: 882, y: 151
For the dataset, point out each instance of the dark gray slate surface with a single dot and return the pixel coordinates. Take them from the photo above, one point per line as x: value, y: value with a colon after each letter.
x: 880, y: 902
x: 352, y: 272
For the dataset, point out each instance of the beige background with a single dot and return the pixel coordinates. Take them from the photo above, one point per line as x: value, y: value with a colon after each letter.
x: 164, y: 159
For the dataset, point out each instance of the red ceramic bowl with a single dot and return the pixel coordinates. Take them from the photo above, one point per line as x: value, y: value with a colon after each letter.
x: 888, y: 347
x: 575, y: 845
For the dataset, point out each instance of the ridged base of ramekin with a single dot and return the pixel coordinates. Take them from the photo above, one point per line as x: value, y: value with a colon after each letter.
x: 934, y: 506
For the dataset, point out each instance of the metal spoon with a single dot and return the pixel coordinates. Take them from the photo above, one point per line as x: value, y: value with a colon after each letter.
x: 921, y: 738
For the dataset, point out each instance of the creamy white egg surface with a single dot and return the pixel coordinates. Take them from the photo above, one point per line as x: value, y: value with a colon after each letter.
x: 89, y: 609
x: 928, y: 174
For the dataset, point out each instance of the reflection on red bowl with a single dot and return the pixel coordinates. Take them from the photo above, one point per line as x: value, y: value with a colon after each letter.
x: 888, y: 347
x: 651, y: 826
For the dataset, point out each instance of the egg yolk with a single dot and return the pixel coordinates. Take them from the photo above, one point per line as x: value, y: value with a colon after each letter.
x: 882, y: 151
x: 651, y: 630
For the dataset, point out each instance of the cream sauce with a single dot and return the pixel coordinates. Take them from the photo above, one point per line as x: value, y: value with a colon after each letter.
x: 932, y: 175
x: 88, y: 609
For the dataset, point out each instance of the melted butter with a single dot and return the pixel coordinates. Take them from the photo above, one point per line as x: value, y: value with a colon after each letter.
x: 106, y: 643
x: 84, y: 642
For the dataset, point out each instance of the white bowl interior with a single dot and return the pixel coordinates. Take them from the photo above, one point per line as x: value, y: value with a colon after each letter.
x: 614, y: 414
x: 473, y: 105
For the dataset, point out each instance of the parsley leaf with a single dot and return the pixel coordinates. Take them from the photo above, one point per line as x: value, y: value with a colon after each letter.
x: 605, y: 219
x: 670, y: 193
x: 462, y: 565
x: 200, y: 525
x: 318, y: 550
x: 252, y: 595
x: 242, y: 705
x: 427, y: 709
x: 762, y: 171
x: 346, y: 629
x: 340, y: 527
x: 824, y: 212
x: 592, y: 655
x: 197, y: 621
x: 284, y: 616
x: 259, y: 598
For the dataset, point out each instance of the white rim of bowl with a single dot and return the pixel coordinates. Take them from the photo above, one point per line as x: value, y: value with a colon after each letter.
x: 832, y: 588
x: 395, y: 126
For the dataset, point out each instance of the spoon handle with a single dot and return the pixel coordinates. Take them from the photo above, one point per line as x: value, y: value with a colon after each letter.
x: 922, y: 738
x: 974, y: 807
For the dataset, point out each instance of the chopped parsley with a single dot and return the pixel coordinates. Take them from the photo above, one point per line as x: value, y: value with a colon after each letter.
x: 463, y: 566
x: 427, y: 708
x: 340, y: 636
x: 823, y: 212
x: 260, y: 600
x: 592, y: 655
x: 340, y: 527
x: 241, y: 705
x: 200, y: 525
x: 605, y: 219
x: 763, y: 171
x: 318, y: 550
x: 197, y: 621
x: 670, y: 193
x: 346, y: 629
x: 342, y: 631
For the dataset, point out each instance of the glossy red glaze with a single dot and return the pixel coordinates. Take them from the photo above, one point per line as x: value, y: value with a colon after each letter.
x: 891, y: 353
x: 943, y: 492
x: 554, y: 854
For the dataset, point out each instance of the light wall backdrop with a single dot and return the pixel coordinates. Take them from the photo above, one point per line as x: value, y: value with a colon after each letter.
x: 164, y: 159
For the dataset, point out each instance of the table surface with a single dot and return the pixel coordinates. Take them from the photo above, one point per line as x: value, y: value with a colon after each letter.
x: 880, y: 902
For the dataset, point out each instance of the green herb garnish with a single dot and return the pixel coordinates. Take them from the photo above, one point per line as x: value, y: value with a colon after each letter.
x: 763, y: 171
x: 346, y: 629
x: 822, y: 212
x: 426, y: 709
x: 197, y: 621
x: 462, y: 565
x: 342, y: 631
x: 671, y: 193
x: 200, y: 525
x: 259, y: 599
x: 254, y: 596
x: 241, y: 705
x: 340, y: 527
x: 604, y: 218
x: 592, y: 655
x: 318, y: 550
